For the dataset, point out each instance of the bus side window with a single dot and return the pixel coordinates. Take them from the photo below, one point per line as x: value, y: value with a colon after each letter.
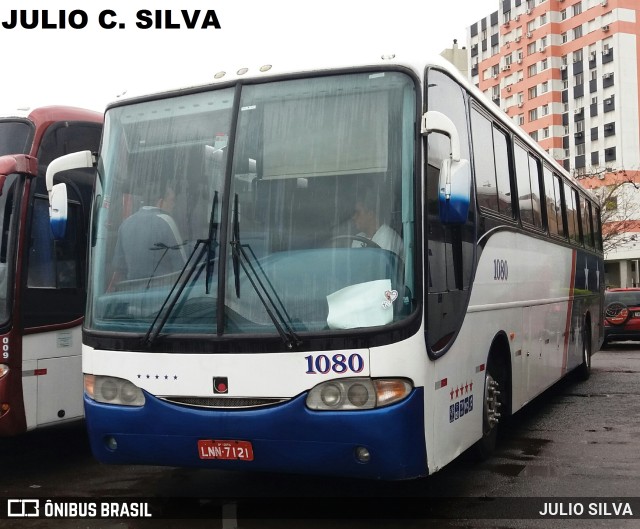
x: 550, y: 200
x: 491, y: 161
x: 562, y: 231
x: 587, y: 231
x: 572, y: 216
x: 597, y: 228
x: 528, y: 187
x: 534, y: 172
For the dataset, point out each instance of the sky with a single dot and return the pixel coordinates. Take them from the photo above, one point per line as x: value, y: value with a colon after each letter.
x: 93, y: 64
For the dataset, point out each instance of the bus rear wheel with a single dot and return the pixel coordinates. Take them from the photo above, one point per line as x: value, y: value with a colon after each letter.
x: 584, y: 369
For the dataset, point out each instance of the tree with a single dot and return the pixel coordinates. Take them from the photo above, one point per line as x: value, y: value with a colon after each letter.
x: 619, y: 205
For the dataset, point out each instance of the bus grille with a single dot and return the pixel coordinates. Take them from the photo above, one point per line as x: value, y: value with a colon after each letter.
x: 224, y: 402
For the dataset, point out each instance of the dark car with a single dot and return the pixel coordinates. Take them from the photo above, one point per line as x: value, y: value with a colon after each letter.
x: 621, y: 314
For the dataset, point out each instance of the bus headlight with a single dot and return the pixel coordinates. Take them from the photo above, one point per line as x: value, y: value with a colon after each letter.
x: 357, y: 393
x: 112, y: 390
x: 4, y: 369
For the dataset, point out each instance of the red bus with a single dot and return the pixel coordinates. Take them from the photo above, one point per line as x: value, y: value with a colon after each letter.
x: 42, y: 279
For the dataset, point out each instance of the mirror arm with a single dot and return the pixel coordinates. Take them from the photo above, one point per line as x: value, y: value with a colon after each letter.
x: 433, y: 121
x: 75, y: 160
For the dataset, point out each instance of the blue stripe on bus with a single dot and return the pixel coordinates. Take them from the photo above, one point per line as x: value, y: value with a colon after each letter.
x: 285, y: 438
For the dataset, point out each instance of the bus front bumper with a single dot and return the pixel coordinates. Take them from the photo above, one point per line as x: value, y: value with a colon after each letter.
x: 284, y: 438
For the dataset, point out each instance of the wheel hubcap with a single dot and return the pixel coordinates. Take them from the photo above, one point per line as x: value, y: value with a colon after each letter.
x: 492, y: 402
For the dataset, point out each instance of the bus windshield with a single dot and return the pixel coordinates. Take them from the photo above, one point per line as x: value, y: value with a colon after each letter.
x: 294, y: 214
x: 15, y: 137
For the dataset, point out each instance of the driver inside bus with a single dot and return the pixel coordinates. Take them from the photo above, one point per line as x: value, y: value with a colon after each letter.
x: 367, y: 220
x: 149, y: 242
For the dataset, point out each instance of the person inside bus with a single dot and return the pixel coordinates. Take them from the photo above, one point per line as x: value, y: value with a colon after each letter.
x: 367, y: 220
x: 149, y: 242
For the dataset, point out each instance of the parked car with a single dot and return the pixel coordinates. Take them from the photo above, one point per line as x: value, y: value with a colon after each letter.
x: 621, y: 314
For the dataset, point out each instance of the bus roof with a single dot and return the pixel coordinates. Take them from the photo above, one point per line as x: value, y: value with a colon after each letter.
x: 53, y: 113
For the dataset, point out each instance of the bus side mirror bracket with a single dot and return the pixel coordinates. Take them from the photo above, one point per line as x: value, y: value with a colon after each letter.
x: 454, y: 186
x: 58, y: 205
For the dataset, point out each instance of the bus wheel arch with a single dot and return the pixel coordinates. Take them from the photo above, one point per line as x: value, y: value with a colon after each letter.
x: 496, y: 395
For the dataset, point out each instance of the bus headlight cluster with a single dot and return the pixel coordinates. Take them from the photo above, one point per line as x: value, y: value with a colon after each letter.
x: 112, y: 390
x: 357, y: 393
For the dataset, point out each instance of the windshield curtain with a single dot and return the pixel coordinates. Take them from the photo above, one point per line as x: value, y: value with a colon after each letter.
x: 319, y: 209
x: 15, y: 137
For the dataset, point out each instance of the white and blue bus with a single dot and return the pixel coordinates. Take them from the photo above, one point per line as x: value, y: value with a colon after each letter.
x: 356, y: 270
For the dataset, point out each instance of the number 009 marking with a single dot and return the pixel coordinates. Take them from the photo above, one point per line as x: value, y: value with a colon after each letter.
x: 338, y: 363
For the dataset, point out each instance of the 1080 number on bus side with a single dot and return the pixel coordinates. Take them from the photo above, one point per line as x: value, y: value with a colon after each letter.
x: 500, y: 270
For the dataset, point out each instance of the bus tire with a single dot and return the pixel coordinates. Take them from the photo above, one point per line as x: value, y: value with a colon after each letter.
x: 584, y: 369
x: 492, y: 402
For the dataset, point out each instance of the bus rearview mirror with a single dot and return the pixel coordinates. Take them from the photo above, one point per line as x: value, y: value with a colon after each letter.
x: 454, y: 191
x: 58, y: 210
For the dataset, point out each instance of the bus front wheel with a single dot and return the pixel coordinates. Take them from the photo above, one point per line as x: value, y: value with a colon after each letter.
x: 492, y: 403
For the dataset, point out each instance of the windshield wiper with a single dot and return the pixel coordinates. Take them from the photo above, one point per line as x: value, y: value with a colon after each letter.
x: 278, y: 315
x: 213, y: 239
x: 171, y: 300
x: 169, y: 303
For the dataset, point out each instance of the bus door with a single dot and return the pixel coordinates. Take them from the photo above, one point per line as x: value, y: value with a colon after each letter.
x: 52, y: 311
x: 54, y: 283
x: 450, y: 249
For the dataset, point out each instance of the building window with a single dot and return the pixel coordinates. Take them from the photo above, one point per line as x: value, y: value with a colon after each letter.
x: 577, y: 32
x: 564, y: 37
x: 609, y: 129
x: 544, y: 87
x: 534, y: 135
x: 545, y: 132
x: 533, y: 92
x: 578, y: 79
x: 577, y: 8
x: 533, y: 114
x: 545, y: 110
x: 543, y: 19
x: 532, y: 70
x: 577, y: 56
x: 563, y: 14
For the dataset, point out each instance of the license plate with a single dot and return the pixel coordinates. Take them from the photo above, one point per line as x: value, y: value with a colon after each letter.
x: 636, y: 314
x: 225, y: 450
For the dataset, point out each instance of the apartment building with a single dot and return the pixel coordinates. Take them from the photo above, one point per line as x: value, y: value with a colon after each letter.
x: 567, y: 71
